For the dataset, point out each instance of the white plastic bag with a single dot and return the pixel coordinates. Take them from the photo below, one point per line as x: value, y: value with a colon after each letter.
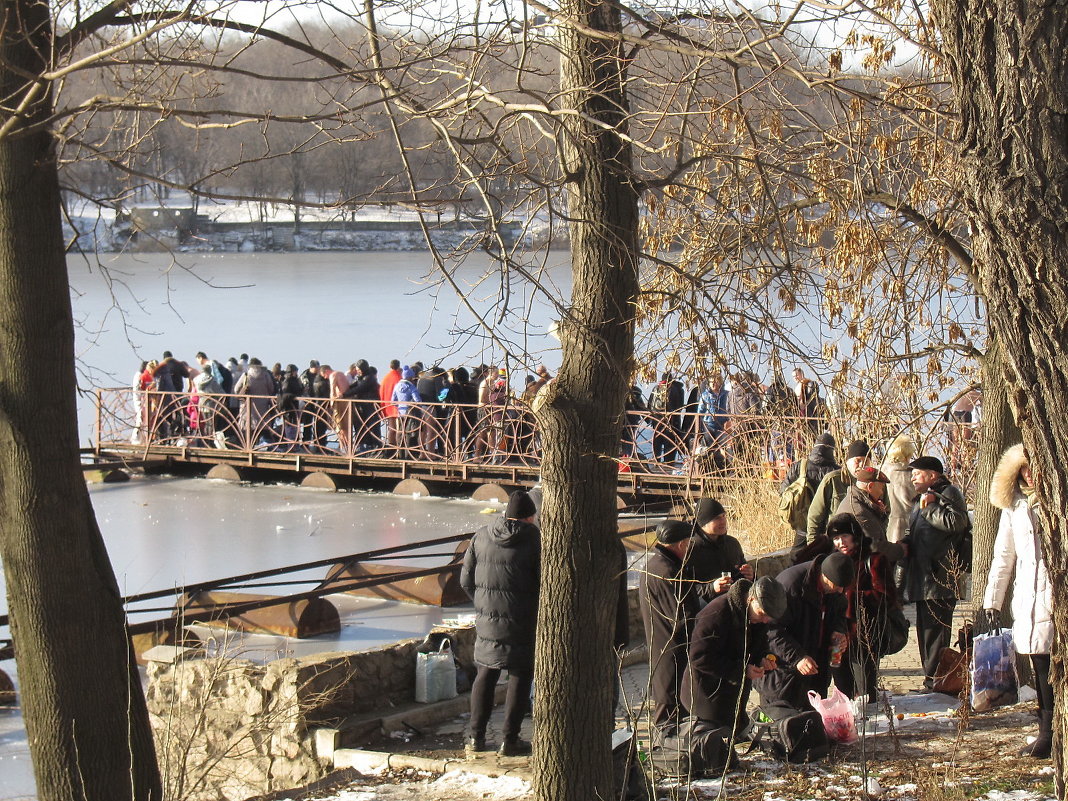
x: 993, y: 670
x: 837, y: 714
x: 435, y: 675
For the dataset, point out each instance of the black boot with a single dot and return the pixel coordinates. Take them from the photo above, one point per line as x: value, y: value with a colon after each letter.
x: 1041, y: 748
x: 476, y: 743
x: 514, y: 747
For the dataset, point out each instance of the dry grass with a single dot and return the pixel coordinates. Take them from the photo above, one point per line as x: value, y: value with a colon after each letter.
x: 753, y: 509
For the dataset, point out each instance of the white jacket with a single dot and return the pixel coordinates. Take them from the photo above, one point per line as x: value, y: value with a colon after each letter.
x: 1017, y: 548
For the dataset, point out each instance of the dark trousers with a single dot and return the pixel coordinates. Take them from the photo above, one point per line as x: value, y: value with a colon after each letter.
x: 666, y: 666
x: 516, y: 703
x: 1040, y: 665
x: 858, y: 674
x: 934, y: 620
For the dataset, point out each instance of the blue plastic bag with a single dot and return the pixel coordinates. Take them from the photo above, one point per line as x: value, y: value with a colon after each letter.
x: 994, y: 681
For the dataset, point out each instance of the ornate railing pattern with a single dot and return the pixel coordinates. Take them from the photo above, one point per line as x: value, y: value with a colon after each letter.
x: 653, y: 443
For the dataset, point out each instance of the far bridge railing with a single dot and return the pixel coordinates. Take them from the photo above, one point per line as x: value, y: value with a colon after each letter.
x: 673, y: 448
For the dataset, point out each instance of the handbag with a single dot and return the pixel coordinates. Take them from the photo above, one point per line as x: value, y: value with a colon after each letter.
x: 435, y: 674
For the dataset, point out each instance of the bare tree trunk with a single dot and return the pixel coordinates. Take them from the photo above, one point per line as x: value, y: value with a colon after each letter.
x: 999, y: 432
x: 582, y: 414
x: 81, y: 694
x: 1007, y: 65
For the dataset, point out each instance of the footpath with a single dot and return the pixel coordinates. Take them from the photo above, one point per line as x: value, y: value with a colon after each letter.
x: 921, y: 740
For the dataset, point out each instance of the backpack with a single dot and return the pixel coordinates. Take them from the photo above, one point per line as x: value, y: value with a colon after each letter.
x: 227, y: 377
x: 695, y: 750
x: 961, y: 549
x: 658, y: 399
x: 788, y: 734
x: 795, y: 500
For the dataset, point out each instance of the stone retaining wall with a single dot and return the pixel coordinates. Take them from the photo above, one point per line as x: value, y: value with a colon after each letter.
x: 230, y: 728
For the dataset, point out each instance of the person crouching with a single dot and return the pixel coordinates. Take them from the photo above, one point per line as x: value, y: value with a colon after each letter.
x: 810, y: 637
x: 729, y: 651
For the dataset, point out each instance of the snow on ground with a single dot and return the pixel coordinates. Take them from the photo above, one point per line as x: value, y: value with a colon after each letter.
x: 455, y: 786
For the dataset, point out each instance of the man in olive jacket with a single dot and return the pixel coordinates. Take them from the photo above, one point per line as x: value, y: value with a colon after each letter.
x: 937, y: 525
x: 832, y: 489
x: 501, y: 574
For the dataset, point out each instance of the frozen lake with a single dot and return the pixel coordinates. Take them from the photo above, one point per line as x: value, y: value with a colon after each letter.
x: 164, y: 532
x: 292, y: 307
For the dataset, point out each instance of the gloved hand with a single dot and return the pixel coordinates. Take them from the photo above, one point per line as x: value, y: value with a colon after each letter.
x: 993, y: 619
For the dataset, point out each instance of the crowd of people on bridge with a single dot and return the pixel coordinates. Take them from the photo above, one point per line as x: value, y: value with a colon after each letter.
x: 430, y: 411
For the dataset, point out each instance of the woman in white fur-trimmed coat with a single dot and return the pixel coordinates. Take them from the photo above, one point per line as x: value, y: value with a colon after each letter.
x: 1018, y: 547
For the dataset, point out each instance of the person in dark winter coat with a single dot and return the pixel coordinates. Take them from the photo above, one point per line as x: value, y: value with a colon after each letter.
x: 501, y: 574
x: 364, y: 390
x: 810, y: 633
x: 819, y: 462
x: 868, y: 602
x: 728, y: 651
x: 938, y: 522
x: 716, y: 558
x: 669, y: 604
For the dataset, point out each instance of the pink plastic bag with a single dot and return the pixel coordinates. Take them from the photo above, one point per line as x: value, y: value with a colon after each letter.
x: 837, y: 714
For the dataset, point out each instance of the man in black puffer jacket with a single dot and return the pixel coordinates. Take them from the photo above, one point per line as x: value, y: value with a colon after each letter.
x: 502, y: 574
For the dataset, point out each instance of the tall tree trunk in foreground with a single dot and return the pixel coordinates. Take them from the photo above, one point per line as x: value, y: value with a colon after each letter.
x: 581, y: 415
x: 999, y: 431
x: 1008, y: 65
x: 81, y: 695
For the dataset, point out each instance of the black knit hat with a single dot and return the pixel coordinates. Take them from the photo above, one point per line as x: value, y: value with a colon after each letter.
x: 857, y: 447
x: 520, y: 506
x: 838, y: 568
x: 826, y: 440
x: 671, y: 531
x: 708, y: 510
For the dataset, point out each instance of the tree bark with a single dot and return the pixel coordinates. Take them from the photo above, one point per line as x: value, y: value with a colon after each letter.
x: 81, y: 694
x: 1008, y: 68
x: 582, y: 414
x: 999, y: 432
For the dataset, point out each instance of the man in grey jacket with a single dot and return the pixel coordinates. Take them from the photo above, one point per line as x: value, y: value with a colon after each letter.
x: 937, y: 527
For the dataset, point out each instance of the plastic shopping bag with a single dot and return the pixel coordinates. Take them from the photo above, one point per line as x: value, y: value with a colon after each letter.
x: 435, y: 675
x: 993, y: 670
x: 837, y: 714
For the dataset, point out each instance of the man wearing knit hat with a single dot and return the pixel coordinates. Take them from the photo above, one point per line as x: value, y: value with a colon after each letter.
x: 716, y: 558
x: 938, y: 523
x: 501, y: 574
x: 832, y: 489
x: 819, y: 462
x: 811, y: 634
x: 728, y: 651
x: 669, y: 603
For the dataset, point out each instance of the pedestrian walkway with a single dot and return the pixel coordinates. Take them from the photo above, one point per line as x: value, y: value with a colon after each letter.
x: 900, y: 674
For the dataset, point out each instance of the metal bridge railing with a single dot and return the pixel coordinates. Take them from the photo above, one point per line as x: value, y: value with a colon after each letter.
x: 653, y: 443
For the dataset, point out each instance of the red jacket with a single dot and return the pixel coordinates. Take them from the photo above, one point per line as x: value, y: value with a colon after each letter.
x: 385, y: 392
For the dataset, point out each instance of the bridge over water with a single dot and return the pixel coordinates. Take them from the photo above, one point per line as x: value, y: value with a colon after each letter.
x: 431, y: 447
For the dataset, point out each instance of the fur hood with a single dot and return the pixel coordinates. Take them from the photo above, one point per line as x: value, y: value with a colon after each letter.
x: 1003, y: 488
